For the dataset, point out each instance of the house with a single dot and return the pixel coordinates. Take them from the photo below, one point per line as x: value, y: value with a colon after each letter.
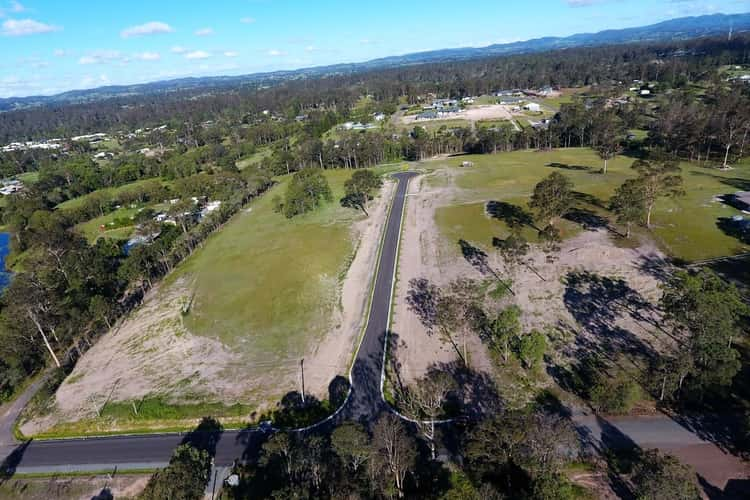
x: 467, y: 100
x: 467, y: 164
x: 511, y: 100
x: 103, y: 155
x: 210, y: 207
x: 645, y: 92
x: 378, y: 117
x: 532, y: 106
x: 10, y: 186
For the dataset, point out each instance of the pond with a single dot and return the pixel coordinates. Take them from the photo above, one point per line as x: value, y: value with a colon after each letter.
x: 5, y: 276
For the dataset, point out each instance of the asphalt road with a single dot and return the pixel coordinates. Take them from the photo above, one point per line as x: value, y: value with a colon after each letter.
x: 128, y: 452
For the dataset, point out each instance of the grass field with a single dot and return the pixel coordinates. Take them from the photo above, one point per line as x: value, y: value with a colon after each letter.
x: 110, y: 192
x: 91, y: 229
x: 268, y: 285
x: 685, y: 227
x: 260, y: 155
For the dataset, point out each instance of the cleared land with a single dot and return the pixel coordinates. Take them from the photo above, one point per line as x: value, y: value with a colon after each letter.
x: 264, y: 292
x: 597, y: 296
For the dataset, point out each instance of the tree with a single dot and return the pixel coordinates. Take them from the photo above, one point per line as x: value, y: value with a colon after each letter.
x: 659, y: 475
x: 359, y: 189
x: 629, y: 204
x: 531, y: 348
x: 505, y: 328
x: 305, y: 191
x: 456, y: 311
x: 395, y: 450
x: 351, y: 444
x: 552, y: 197
x: 281, y: 447
x: 607, y: 136
x: 185, y: 477
x: 513, y: 249
x: 659, y: 179
x: 706, y: 312
x: 424, y: 400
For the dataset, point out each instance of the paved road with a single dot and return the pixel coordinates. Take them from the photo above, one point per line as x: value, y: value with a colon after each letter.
x: 365, y: 400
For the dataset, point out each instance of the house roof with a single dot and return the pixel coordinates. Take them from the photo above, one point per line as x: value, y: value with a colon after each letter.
x: 744, y: 197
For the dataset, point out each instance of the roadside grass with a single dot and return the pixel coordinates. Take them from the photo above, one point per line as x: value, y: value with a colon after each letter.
x: 154, y: 415
x: 685, y: 227
x: 434, y: 125
x: 92, y: 231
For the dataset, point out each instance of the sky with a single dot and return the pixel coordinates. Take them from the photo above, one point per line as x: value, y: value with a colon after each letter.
x: 50, y: 46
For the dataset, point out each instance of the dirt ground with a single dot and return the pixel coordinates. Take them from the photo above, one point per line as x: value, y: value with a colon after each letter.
x: 472, y: 113
x: 595, y: 294
x: 75, y: 488
x: 423, y: 255
x: 152, y: 353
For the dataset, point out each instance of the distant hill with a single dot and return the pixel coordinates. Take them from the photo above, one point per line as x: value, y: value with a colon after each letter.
x: 674, y: 29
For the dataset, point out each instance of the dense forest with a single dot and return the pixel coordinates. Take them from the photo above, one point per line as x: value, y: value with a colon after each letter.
x: 673, y: 64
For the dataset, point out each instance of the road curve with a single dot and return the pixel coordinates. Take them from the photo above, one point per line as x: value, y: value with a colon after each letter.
x: 365, y: 400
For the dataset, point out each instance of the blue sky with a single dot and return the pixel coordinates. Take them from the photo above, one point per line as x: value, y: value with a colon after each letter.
x: 49, y: 46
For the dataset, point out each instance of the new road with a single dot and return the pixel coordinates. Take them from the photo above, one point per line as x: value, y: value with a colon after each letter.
x: 365, y: 399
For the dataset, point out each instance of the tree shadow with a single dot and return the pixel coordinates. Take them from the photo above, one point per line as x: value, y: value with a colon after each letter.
x: 736, y: 182
x: 587, y: 219
x: 621, y: 453
x: 422, y: 299
x: 589, y: 199
x: 513, y: 215
x: 105, y: 494
x: 565, y: 166
x: 475, y: 396
x: 476, y: 257
x: 655, y: 266
x: 338, y: 389
x: 11, y: 462
x: 597, y: 302
x: 739, y: 229
x: 206, y: 436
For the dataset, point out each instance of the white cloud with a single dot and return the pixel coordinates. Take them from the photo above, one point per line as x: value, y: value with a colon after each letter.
x: 150, y: 28
x: 178, y: 49
x: 204, y: 32
x: 23, y: 27
x: 197, y: 54
x: 102, y: 57
x: 580, y: 3
x: 59, y: 53
x: 310, y: 48
x: 276, y: 53
x: 148, y: 56
x: 94, y: 80
x: 231, y: 53
x: 247, y: 20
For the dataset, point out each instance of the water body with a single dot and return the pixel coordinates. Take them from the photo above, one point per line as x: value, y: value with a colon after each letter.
x: 5, y: 276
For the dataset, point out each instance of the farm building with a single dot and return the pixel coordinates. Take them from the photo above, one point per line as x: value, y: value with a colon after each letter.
x: 532, y: 106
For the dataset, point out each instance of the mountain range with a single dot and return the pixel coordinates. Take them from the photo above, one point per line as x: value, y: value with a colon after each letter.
x: 673, y: 29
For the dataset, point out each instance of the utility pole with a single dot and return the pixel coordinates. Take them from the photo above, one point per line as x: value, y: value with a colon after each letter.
x: 302, y: 371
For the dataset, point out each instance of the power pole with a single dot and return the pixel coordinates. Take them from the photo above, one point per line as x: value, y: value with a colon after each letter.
x: 302, y: 371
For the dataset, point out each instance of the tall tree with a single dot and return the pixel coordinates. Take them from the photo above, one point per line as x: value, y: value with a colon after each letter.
x: 425, y: 399
x: 659, y: 475
x: 607, y: 136
x: 552, y: 197
x: 395, y: 449
x: 659, y: 179
x: 359, y: 188
x: 351, y: 444
x: 629, y: 204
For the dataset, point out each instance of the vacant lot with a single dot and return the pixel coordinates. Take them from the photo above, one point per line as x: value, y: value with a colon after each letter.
x: 597, y: 295
x: 684, y: 227
x: 262, y: 294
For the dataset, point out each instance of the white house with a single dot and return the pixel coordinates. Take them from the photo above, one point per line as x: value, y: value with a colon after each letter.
x: 532, y: 106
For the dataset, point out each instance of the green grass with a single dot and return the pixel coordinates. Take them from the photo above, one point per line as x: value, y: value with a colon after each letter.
x: 261, y: 154
x: 685, y: 227
x: 154, y: 415
x: 92, y: 229
x: 110, y: 192
x: 267, y: 286
x: 433, y: 125
x: 28, y: 177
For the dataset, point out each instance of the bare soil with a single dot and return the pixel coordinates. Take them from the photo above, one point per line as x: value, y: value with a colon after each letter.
x: 151, y: 353
x: 422, y: 254
x: 595, y: 295
x: 75, y: 488
x: 472, y: 113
